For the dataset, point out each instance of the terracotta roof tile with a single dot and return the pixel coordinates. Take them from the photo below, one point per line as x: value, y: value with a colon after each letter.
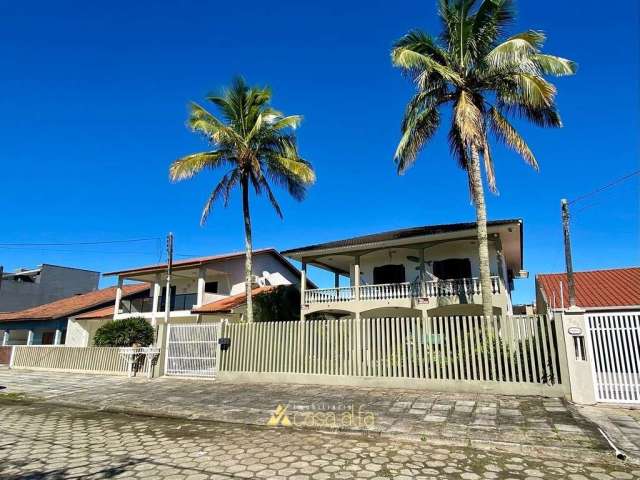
x: 229, y: 303
x: 71, y: 305
x: 598, y: 288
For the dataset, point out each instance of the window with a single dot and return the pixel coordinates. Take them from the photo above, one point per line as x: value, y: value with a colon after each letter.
x: 388, y: 274
x: 452, y: 268
x: 211, y: 287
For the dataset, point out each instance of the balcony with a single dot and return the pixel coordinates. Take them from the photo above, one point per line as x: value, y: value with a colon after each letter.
x: 181, y: 301
x: 402, y: 294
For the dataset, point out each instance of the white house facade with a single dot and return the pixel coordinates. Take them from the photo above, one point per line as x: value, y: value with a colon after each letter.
x: 422, y: 271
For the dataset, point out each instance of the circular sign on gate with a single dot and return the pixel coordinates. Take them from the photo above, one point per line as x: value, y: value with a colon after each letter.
x: 574, y: 331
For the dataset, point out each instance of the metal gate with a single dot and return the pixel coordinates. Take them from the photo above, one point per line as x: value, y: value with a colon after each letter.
x: 192, y: 350
x: 614, y: 343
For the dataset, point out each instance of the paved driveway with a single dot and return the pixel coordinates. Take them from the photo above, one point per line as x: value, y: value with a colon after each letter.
x: 41, y: 441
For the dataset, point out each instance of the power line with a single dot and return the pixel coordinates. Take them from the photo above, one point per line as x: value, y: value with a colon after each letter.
x: 605, y: 187
x: 63, y: 244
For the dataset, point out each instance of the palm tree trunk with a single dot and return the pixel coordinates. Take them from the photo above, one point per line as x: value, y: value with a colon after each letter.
x: 248, y: 247
x: 477, y: 191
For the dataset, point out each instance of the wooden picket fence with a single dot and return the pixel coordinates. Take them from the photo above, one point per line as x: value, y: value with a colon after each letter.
x: 105, y: 360
x: 518, y: 349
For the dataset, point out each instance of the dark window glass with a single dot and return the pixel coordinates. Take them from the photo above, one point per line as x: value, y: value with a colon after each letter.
x: 452, y: 268
x: 211, y: 287
x: 388, y: 274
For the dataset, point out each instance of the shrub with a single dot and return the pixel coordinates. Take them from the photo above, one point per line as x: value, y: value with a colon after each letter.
x: 279, y: 304
x: 124, y: 333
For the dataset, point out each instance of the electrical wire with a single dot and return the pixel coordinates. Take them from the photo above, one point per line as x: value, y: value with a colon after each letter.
x: 64, y: 244
x: 605, y: 187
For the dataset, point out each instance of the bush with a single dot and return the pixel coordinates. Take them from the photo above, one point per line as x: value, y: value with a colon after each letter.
x: 124, y: 333
x: 279, y: 304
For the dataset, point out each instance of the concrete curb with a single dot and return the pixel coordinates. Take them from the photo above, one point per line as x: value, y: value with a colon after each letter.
x: 540, y: 451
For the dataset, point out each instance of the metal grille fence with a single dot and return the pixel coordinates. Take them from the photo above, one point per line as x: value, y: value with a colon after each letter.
x: 614, y: 344
x: 192, y: 350
x: 509, y: 349
x: 75, y: 359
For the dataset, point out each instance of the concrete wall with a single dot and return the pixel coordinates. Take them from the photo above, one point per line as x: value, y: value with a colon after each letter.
x: 53, y: 283
x: 80, y: 332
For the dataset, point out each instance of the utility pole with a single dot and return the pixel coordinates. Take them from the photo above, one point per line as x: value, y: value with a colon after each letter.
x: 567, y: 252
x: 167, y: 296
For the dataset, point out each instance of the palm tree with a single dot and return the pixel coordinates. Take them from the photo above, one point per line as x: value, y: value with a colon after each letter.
x: 485, y: 79
x: 258, y: 146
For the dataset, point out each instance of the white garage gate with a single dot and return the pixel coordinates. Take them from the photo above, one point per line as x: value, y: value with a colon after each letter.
x: 192, y: 350
x: 614, y: 343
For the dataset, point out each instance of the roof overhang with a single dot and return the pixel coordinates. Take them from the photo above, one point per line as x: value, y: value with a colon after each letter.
x: 337, y: 255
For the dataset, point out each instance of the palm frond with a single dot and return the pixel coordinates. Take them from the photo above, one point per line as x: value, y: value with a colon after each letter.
x: 510, y: 136
x: 552, y: 65
x: 468, y: 119
x: 417, y: 128
x: 190, y: 165
x: 530, y: 90
x: 488, y: 165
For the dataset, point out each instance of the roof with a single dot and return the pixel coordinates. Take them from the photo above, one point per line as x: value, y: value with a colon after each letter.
x: 71, y: 305
x: 197, y: 261
x: 618, y: 287
x: 229, y: 303
x: 399, y: 235
x: 104, y: 312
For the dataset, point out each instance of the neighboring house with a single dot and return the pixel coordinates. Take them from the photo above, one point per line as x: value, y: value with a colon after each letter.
x: 202, y: 289
x: 26, y: 288
x: 596, y: 291
x: 47, y: 324
x: 421, y: 271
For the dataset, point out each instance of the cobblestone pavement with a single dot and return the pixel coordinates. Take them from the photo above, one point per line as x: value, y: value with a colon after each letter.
x: 622, y: 425
x: 519, y: 424
x: 53, y: 442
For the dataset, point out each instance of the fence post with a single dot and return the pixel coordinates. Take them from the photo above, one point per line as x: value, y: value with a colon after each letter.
x: 13, y: 352
x: 577, y: 360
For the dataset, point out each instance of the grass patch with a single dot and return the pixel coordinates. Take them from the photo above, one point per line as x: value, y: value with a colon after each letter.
x: 13, y: 397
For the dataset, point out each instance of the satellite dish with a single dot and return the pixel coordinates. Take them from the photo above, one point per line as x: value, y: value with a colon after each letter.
x: 413, y: 258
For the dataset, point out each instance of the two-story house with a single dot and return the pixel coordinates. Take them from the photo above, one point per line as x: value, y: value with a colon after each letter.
x: 422, y: 271
x: 202, y: 289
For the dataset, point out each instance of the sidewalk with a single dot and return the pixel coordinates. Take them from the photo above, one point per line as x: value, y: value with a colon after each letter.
x: 536, y: 426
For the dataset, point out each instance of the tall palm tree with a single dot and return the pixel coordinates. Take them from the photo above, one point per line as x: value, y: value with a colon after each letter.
x: 486, y: 79
x: 258, y: 146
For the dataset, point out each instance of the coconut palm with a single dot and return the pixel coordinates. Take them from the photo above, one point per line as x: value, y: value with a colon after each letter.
x: 256, y: 144
x: 486, y: 79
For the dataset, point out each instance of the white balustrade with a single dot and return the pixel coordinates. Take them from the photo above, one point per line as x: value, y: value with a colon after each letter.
x: 390, y: 291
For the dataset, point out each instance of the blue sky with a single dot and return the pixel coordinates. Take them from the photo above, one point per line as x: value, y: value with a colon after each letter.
x: 94, y: 102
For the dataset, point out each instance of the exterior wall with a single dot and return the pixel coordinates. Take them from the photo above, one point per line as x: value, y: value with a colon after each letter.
x: 19, y: 331
x: 266, y: 267
x: 396, y: 256
x: 80, y: 333
x: 52, y: 284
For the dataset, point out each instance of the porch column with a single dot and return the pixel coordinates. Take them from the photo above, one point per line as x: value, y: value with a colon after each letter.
x: 5, y: 338
x: 58, y: 337
x: 30, y: 338
x: 356, y: 274
x: 422, y: 275
x: 303, y: 288
x: 201, y: 284
x: 157, y: 289
x: 116, y: 308
x: 336, y: 280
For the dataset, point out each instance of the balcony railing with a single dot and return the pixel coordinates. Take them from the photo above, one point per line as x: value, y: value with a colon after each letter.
x: 181, y: 301
x: 388, y: 291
